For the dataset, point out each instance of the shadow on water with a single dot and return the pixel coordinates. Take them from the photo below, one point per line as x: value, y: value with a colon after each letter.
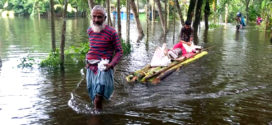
x: 205, y: 36
x: 271, y: 37
x: 237, y: 36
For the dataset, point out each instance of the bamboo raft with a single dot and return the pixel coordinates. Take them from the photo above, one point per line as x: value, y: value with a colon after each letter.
x: 155, y: 74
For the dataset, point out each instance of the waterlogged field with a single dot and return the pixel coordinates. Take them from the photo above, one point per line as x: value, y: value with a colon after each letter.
x: 230, y: 85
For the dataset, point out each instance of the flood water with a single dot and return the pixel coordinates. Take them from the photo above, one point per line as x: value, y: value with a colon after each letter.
x: 230, y: 85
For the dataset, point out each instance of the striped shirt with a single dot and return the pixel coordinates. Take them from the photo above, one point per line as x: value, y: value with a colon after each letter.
x: 104, y: 45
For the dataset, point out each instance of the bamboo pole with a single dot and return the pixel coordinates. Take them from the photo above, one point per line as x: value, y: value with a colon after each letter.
x: 139, y: 73
x: 162, y: 70
x: 176, y: 67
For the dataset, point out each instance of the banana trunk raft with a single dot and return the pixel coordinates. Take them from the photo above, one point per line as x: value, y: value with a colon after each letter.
x: 155, y: 74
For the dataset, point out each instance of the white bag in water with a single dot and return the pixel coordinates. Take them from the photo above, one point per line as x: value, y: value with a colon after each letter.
x: 101, y: 65
x: 159, y: 58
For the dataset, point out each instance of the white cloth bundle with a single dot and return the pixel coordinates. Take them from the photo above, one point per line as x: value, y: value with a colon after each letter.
x: 101, y: 65
x: 159, y: 58
x: 191, y: 48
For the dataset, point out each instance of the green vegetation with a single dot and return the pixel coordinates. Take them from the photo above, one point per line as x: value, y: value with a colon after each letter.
x: 126, y: 47
x: 80, y: 8
x: 53, y: 60
x: 73, y: 55
x: 213, y: 26
x: 26, y: 62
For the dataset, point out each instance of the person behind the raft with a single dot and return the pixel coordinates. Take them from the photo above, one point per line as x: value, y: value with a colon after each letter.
x: 104, y: 53
x: 185, y: 45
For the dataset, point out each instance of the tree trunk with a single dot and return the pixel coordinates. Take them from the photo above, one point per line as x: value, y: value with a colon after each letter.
x: 153, y: 12
x: 91, y: 5
x: 138, y: 6
x: 190, y: 12
x: 267, y: 22
x: 138, y: 24
x: 226, y: 12
x: 53, y: 26
x: 109, y: 13
x: 247, y: 3
x: 128, y: 21
x: 119, y: 19
x: 214, y: 5
x: 179, y: 12
x: 161, y: 15
x: 207, y: 13
x: 147, y: 19
x: 114, y: 19
x: 270, y: 39
x: 214, y: 9
x: 174, y: 25
x: 38, y: 10
x: 197, y: 15
x: 153, y: 17
x: 165, y: 6
x: 62, y: 43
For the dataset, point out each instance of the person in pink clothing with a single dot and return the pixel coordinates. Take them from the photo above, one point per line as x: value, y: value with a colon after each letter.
x: 181, y: 50
x: 259, y: 20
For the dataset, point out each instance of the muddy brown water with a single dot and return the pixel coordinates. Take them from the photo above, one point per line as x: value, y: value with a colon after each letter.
x: 230, y: 85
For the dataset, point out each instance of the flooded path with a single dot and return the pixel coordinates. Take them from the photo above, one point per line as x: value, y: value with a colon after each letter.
x: 230, y: 85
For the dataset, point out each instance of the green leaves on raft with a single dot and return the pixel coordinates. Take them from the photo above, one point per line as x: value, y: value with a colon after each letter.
x: 156, y: 74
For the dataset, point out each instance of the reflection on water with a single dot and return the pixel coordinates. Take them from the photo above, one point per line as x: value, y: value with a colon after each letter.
x: 231, y: 85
